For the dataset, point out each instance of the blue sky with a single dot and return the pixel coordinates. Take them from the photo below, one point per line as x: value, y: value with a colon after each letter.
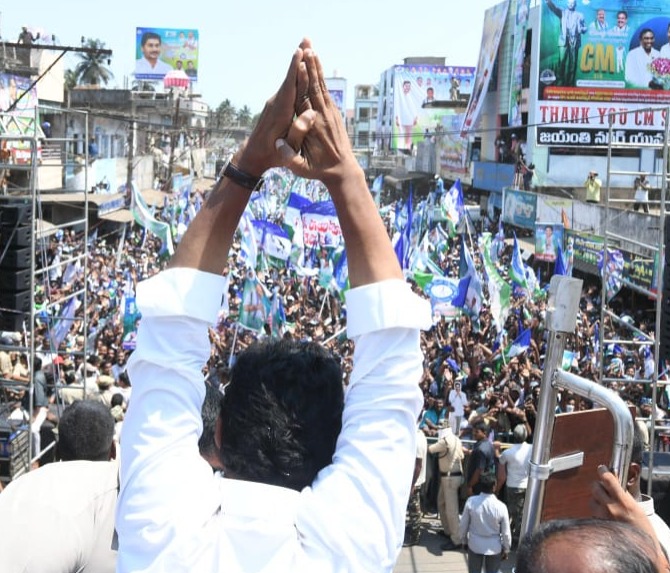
x: 246, y: 45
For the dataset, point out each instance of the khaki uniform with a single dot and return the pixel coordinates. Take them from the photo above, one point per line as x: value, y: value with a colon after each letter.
x: 449, y: 450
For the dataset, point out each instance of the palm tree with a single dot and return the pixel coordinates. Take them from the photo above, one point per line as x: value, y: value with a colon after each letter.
x: 69, y: 79
x: 92, y: 68
x: 225, y: 114
x: 244, y: 116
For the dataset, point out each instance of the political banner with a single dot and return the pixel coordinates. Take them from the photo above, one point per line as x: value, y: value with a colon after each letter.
x: 518, y: 54
x: 494, y: 22
x: 419, y: 91
x: 601, y: 64
x: 161, y: 50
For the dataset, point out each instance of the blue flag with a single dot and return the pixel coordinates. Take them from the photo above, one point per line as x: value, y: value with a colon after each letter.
x: 559, y: 264
x: 520, y: 345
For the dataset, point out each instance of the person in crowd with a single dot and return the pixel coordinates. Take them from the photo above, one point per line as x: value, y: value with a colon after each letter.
x: 26, y: 37
x: 587, y: 545
x: 413, y: 519
x: 282, y: 411
x: 430, y: 423
x: 67, y: 507
x: 642, y: 187
x: 513, y: 470
x: 482, y: 457
x: 485, y: 527
x: 449, y: 451
x: 593, y: 186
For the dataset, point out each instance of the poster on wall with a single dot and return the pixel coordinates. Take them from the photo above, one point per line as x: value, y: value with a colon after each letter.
x: 494, y: 22
x: 548, y: 241
x: 161, y: 50
x: 18, y: 102
x: 602, y: 62
x: 418, y: 91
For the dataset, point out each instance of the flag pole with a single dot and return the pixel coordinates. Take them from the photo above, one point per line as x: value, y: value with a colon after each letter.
x: 232, y: 347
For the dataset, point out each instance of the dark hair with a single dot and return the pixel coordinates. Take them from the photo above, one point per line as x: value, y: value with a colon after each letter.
x: 487, y: 481
x: 281, y: 413
x: 617, y: 547
x: 480, y: 425
x: 644, y: 31
x: 85, y: 432
x: 211, y: 410
x: 117, y: 400
x: 150, y: 36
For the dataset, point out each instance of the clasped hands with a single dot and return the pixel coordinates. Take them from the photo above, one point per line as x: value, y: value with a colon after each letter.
x: 300, y: 127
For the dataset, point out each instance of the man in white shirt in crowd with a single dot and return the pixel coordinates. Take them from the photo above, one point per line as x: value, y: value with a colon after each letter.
x: 313, y: 481
x: 513, y: 470
x: 485, y: 528
x: 638, y: 60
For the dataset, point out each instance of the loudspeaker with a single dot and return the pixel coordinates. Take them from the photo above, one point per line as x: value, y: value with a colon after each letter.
x: 19, y: 301
x: 17, y: 236
x: 15, y: 260
x: 14, y: 210
x: 14, y: 280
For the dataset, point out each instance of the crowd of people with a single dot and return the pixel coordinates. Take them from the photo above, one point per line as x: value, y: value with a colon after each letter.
x: 467, y: 384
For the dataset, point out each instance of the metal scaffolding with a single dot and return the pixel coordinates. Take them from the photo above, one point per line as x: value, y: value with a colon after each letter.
x: 611, y: 273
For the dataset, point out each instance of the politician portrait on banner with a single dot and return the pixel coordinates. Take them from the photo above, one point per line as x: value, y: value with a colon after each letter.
x: 161, y: 50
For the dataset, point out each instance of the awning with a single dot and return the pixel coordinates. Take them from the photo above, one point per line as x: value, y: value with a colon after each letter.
x: 155, y: 197
x: 118, y: 216
x: 44, y: 228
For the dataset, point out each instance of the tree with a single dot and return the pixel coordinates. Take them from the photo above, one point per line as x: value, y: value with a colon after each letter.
x: 244, y: 116
x: 225, y: 114
x: 69, y: 79
x: 92, y: 67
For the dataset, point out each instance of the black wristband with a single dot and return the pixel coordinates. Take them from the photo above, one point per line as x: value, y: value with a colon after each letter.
x: 234, y: 173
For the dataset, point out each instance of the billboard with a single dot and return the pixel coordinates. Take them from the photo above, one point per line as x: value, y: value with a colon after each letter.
x: 17, y: 95
x: 518, y: 53
x: 160, y: 50
x: 494, y: 22
x: 417, y: 92
x: 600, y: 62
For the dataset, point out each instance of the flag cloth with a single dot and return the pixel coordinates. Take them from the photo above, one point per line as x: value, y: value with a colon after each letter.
x: 292, y: 216
x: 59, y: 332
x: 474, y: 297
x: 272, y: 240
x: 248, y: 245
x: 255, y: 305
x: 517, y: 271
x: 144, y: 218
x: 402, y: 245
x: 461, y: 296
x: 442, y: 291
x: 499, y: 290
x: 564, y: 219
x: 341, y: 274
x: 377, y: 184
x: 559, y: 264
x: 321, y: 225
x: 519, y: 346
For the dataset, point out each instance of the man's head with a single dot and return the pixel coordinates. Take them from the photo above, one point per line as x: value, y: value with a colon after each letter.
x: 647, y: 39
x: 621, y: 19
x: 480, y: 430
x: 86, y: 432
x: 406, y: 86
x: 548, y: 231
x: 430, y: 93
x: 600, y: 15
x: 586, y: 546
x: 151, y: 46
x: 571, y: 4
x: 281, y: 413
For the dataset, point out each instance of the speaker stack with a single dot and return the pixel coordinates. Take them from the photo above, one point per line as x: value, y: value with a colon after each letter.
x: 16, y: 231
